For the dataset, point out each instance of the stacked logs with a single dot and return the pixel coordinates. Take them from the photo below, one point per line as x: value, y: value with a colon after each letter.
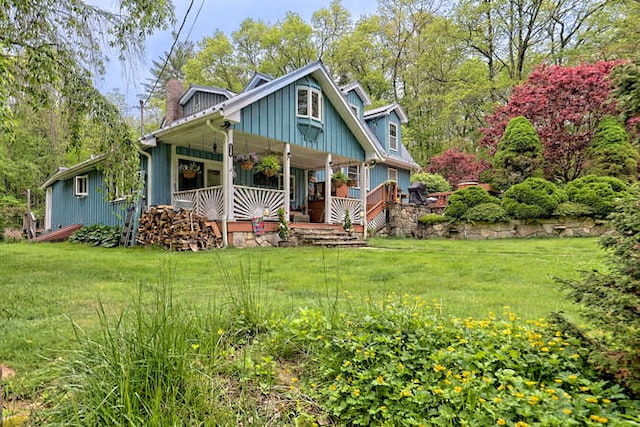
x: 177, y: 230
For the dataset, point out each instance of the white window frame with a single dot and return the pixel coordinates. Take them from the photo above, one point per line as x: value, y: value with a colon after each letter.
x: 81, y: 186
x: 393, y: 139
x: 310, y: 113
x: 353, y: 172
x: 356, y: 110
x: 392, y: 175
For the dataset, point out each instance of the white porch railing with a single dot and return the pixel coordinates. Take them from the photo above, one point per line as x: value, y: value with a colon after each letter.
x: 207, y: 202
x: 252, y: 202
x: 339, y: 207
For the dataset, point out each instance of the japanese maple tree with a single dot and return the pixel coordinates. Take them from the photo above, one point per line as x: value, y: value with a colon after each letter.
x: 565, y: 105
x: 457, y: 166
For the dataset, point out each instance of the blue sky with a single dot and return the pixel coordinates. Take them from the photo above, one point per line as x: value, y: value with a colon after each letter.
x: 225, y: 15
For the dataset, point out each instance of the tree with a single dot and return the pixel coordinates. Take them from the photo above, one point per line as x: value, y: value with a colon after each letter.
x: 457, y: 166
x: 564, y: 104
x: 47, y: 47
x: 519, y: 154
x: 627, y: 93
x: 610, y: 298
x: 215, y: 64
x: 611, y: 153
x: 330, y: 25
x: 168, y: 67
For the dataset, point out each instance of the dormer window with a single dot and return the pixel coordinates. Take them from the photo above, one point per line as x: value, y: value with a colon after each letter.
x: 355, y: 110
x: 309, y: 103
x: 393, y: 136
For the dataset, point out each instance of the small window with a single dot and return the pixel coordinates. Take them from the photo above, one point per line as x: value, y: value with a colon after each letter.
x: 353, y: 172
x: 82, y: 186
x: 309, y: 103
x: 392, y: 175
x: 355, y: 110
x: 393, y: 136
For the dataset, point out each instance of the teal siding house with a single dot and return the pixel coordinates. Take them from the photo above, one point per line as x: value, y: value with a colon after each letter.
x: 199, y: 157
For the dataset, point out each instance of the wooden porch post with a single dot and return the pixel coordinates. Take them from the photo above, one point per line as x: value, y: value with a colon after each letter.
x: 327, y: 189
x: 286, y: 184
x: 364, y: 185
x: 227, y: 185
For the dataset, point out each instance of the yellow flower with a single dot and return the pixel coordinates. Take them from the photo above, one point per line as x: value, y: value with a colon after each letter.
x: 575, y: 356
x: 497, y: 399
x: 545, y: 349
x: 591, y: 400
x: 521, y: 424
x: 458, y: 389
x: 380, y: 380
x: 606, y: 401
x: 599, y: 419
x: 405, y: 393
x: 567, y: 411
x: 558, y: 380
x: 501, y: 422
x: 519, y: 395
x: 438, y: 368
x: 533, y: 400
x: 220, y: 331
x: 356, y: 392
x: 332, y: 387
x: 584, y: 388
x: 346, y: 363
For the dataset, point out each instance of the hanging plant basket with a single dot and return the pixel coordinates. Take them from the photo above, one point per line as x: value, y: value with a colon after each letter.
x: 269, y: 165
x: 247, y: 165
x: 189, y: 173
x: 270, y: 172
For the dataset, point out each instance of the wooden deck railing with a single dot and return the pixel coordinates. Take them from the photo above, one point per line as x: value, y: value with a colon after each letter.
x: 376, y: 203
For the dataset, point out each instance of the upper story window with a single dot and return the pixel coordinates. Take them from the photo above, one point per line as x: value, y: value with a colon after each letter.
x: 353, y: 172
x: 392, y: 175
x: 81, y: 187
x: 393, y: 136
x: 355, y: 110
x: 309, y: 103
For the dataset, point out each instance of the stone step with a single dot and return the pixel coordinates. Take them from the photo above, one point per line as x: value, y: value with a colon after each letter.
x: 326, y: 237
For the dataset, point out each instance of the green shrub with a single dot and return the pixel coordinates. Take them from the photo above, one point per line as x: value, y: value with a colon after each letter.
x: 11, y: 211
x: 611, y: 153
x: 432, y: 219
x: 434, y: 183
x: 610, y: 298
x: 97, y: 235
x: 532, y: 198
x: 486, y: 212
x: 465, y: 198
x: 572, y: 209
x: 519, y: 154
x: 598, y: 192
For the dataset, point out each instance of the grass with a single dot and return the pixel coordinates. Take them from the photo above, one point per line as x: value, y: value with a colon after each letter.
x: 45, y: 286
x: 224, y: 305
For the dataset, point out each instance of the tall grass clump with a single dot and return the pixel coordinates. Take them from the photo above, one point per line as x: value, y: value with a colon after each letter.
x: 144, y: 368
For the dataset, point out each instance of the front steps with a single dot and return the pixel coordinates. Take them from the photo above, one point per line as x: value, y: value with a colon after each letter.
x: 330, y: 237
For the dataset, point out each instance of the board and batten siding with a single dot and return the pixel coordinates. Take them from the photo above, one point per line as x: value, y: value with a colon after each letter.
x: 161, y: 174
x: 202, y: 100
x: 354, y: 99
x: 379, y: 174
x: 274, y: 117
x: 380, y: 127
x: 67, y: 209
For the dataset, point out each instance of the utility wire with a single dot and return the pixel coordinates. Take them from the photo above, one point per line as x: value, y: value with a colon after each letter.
x: 195, y: 20
x: 173, y: 45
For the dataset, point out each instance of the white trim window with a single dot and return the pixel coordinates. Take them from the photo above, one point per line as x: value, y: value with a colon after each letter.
x: 309, y: 103
x: 353, y: 172
x: 392, y: 175
x: 393, y: 136
x: 81, y: 186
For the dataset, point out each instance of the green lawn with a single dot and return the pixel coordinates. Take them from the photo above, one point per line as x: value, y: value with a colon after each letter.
x: 46, y: 286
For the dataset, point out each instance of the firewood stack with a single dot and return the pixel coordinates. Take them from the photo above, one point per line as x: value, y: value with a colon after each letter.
x: 176, y: 230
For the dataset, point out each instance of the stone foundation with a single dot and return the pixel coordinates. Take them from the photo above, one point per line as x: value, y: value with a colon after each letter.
x: 403, y: 222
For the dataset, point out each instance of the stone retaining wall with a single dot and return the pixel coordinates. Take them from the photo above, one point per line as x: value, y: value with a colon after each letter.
x: 403, y: 222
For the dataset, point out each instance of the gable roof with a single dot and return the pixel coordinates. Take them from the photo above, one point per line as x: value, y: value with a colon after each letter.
x: 385, y: 111
x: 257, y: 79
x: 357, y: 87
x: 230, y: 110
x: 194, y: 88
x: 77, y: 169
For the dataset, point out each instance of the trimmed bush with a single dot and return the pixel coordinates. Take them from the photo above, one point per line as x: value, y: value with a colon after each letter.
x: 532, y: 198
x: 598, y: 192
x: 465, y: 198
x: 519, y: 154
x: 572, y: 209
x: 435, y: 183
x: 486, y: 212
x: 432, y: 219
x: 611, y: 153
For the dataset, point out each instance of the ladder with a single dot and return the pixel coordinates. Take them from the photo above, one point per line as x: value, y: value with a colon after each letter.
x: 127, y: 228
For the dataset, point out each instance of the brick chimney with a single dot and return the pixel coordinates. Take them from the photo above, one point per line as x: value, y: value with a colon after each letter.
x: 174, y: 91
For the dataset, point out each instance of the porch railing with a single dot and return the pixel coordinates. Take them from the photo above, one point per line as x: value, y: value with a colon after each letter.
x: 252, y: 202
x: 376, y: 204
x: 339, y: 206
x: 207, y: 202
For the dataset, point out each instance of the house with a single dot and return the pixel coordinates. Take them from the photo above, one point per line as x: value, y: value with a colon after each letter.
x: 312, y: 126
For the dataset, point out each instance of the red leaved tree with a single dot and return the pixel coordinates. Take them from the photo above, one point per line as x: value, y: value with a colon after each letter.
x: 565, y: 105
x: 457, y: 166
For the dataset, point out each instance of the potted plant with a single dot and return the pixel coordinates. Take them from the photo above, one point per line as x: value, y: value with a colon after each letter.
x: 189, y: 170
x: 339, y: 179
x: 269, y: 165
x: 247, y: 161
